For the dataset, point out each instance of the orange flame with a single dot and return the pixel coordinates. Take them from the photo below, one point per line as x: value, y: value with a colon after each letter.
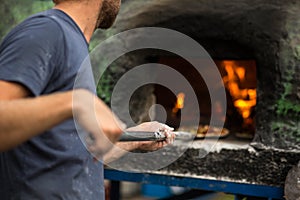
x: 240, y: 71
x: 179, y: 103
x: 244, y: 99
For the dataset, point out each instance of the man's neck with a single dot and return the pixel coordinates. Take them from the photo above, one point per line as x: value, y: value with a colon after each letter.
x: 84, y: 13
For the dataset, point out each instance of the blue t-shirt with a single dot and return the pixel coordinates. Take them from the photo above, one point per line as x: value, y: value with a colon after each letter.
x: 45, y: 54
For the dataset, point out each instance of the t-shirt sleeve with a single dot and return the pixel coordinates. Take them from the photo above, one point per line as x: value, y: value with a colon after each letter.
x: 30, y: 54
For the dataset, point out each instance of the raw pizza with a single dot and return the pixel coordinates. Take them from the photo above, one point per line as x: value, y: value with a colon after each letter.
x: 206, y: 132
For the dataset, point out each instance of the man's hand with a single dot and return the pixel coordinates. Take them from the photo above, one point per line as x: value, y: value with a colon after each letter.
x: 103, y: 127
x: 153, y: 145
x: 122, y: 148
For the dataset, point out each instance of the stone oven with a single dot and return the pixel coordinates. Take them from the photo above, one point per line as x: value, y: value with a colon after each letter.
x: 262, y: 37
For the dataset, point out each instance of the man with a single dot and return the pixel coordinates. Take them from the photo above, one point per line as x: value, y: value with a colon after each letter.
x: 42, y: 156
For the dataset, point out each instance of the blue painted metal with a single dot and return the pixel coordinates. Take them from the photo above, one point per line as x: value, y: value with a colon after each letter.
x: 270, y: 192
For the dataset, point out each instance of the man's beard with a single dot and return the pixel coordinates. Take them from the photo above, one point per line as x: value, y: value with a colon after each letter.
x: 108, y: 13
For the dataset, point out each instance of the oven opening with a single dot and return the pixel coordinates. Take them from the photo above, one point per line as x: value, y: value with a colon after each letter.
x: 239, y: 79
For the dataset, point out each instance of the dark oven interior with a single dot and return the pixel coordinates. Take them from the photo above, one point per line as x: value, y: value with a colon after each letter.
x: 239, y: 79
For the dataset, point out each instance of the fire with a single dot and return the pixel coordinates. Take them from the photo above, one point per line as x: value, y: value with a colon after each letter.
x: 179, y: 103
x: 244, y: 99
x: 240, y: 71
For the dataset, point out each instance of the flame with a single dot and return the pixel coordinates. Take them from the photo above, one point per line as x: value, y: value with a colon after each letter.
x: 179, y: 103
x: 244, y: 99
x: 244, y: 106
x: 240, y: 71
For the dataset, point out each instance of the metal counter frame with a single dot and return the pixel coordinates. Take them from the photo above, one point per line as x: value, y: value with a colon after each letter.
x: 241, y: 190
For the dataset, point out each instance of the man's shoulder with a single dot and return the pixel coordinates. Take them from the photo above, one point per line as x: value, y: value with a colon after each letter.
x: 51, y: 24
x: 36, y: 30
x: 40, y: 21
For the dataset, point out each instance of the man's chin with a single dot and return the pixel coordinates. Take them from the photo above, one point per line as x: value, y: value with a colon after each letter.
x: 106, y: 24
x: 104, y: 27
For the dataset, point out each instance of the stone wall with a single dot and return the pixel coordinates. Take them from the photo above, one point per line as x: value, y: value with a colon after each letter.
x: 266, y: 30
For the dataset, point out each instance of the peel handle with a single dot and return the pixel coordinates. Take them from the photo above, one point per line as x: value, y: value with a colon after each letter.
x: 131, y: 136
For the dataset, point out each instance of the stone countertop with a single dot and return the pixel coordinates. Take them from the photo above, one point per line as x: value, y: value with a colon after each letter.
x: 224, y: 159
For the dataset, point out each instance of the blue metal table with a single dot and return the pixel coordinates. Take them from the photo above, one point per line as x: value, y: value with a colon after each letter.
x: 238, y: 189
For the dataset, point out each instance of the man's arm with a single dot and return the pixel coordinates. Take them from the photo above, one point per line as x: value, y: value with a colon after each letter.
x: 23, y: 118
